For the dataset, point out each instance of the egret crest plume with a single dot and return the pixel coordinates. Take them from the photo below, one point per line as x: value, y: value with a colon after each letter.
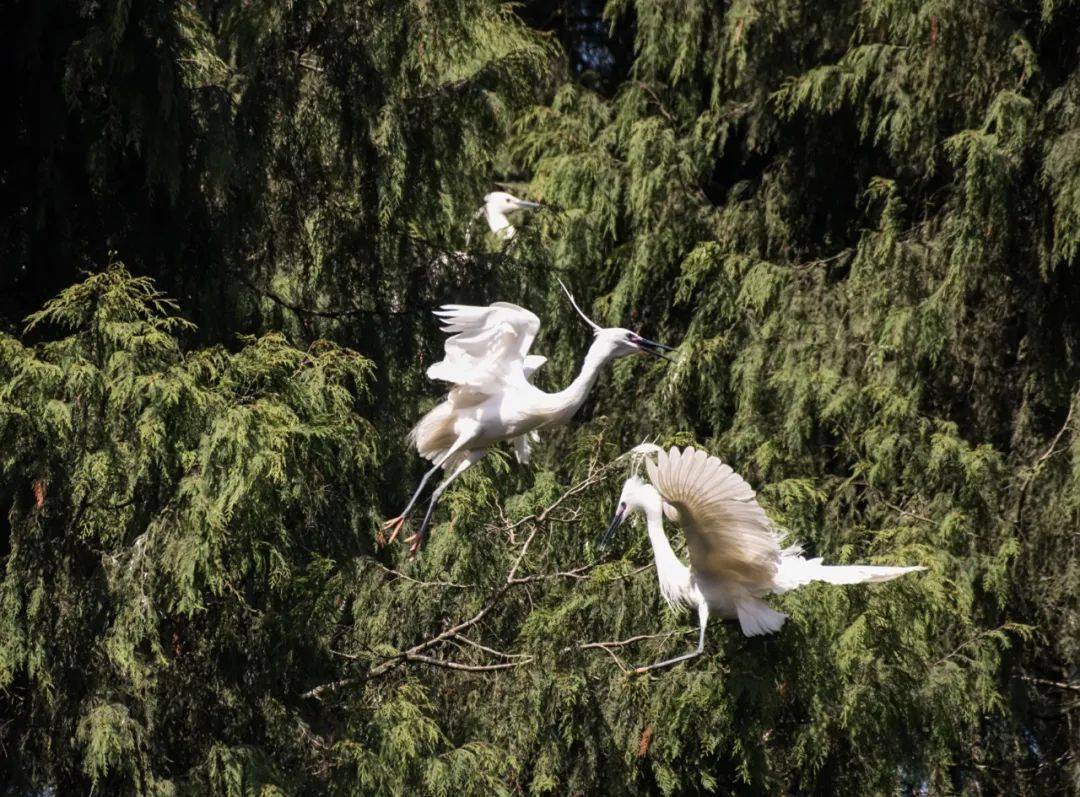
x: 596, y: 327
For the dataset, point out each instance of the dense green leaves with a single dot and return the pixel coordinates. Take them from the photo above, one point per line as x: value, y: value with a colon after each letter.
x: 859, y: 220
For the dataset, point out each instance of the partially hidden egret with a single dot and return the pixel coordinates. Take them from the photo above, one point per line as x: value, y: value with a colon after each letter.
x: 497, y: 206
x: 736, y: 558
x: 488, y: 363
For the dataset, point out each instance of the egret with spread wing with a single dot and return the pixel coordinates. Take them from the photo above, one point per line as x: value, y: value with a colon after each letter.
x: 488, y: 364
x: 736, y: 558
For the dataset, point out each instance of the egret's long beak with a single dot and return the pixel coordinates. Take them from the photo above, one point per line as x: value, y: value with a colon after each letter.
x: 652, y: 347
x: 616, y: 521
x: 524, y: 204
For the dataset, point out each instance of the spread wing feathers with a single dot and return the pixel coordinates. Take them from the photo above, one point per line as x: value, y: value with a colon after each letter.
x: 489, y: 346
x: 531, y: 363
x: 727, y: 532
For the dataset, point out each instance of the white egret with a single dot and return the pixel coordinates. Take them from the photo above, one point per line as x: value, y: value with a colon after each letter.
x: 736, y: 558
x: 496, y: 209
x: 497, y: 205
x: 488, y: 363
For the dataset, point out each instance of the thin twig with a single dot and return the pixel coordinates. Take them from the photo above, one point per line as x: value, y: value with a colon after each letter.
x: 416, y: 652
x: 656, y: 99
x: 1072, y: 687
x: 578, y: 573
x: 492, y: 651
x: 1033, y: 472
x: 624, y: 642
x: 418, y: 582
x: 909, y: 513
x: 457, y: 665
x: 588, y: 482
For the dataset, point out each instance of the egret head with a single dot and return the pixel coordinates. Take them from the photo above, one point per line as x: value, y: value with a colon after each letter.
x: 501, y: 203
x: 637, y: 496
x: 618, y: 341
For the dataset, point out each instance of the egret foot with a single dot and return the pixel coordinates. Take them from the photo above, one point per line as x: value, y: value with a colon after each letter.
x: 421, y: 536
x: 416, y: 542
x: 395, y: 524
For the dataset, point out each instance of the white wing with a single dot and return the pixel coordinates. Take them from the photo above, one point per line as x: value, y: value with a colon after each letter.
x: 727, y: 532
x: 489, y: 348
x: 522, y: 449
x: 532, y: 362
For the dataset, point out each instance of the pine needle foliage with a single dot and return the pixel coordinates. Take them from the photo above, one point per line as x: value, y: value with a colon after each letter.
x: 854, y: 217
x: 860, y: 221
x: 175, y: 515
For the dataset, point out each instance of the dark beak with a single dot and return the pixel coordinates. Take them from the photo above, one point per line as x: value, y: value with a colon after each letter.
x: 653, y: 348
x: 524, y: 204
x: 605, y: 538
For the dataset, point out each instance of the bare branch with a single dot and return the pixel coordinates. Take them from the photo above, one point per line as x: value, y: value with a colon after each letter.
x: 492, y: 651
x: 1072, y: 687
x: 577, y: 573
x: 417, y: 654
x: 624, y: 642
x: 456, y: 665
x: 418, y: 582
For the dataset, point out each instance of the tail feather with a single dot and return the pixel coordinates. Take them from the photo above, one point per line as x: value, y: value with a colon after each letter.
x: 795, y: 571
x: 434, y: 433
x: 757, y: 617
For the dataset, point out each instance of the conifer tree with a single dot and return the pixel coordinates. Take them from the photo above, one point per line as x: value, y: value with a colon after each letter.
x: 858, y: 219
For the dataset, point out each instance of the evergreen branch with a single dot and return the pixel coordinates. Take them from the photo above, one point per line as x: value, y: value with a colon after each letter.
x: 1037, y: 465
x: 463, y: 84
x: 989, y: 632
x: 416, y: 652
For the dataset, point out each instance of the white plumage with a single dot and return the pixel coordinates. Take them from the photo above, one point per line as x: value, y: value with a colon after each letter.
x: 497, y: 206
x: 488, y: 365
x: 736, y: 555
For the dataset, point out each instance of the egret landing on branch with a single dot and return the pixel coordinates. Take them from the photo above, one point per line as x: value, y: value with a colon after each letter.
x: 492, y: 399
x: 735, y: 553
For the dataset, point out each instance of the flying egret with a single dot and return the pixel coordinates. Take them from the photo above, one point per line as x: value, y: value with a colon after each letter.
x: 735, y: 553
x: 488, y: 364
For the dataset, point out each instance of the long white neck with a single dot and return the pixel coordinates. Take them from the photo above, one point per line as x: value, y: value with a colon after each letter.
x: 566, y: 402
x: 667, y: 563
x: 499, y: 224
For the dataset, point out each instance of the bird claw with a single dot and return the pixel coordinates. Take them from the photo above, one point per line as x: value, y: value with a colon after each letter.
x: 395, y: 524
x: 416, y: 542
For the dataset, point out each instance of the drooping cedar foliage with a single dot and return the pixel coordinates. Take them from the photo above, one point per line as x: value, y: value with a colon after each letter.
x: 860, y: 220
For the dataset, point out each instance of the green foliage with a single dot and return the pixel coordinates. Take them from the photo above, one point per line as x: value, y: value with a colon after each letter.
x: 859, y: 220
